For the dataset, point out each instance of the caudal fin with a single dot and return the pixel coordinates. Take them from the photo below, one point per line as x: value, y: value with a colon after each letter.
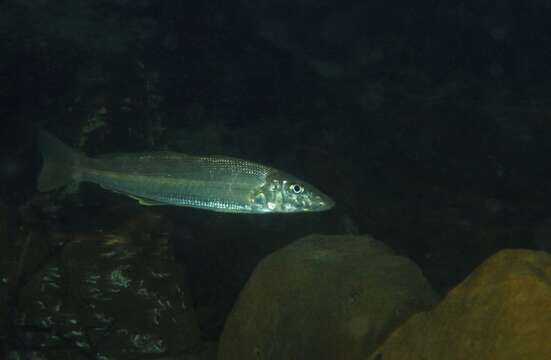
x: 60, y: 163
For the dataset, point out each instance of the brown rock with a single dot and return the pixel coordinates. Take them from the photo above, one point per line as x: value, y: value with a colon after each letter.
x: 501, y: 311
x: 323, y: 297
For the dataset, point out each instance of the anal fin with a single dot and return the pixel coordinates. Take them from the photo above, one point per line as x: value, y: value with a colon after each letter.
x: 145, y: 202
x: 141, y: 200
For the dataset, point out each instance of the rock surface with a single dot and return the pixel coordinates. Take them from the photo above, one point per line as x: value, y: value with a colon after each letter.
x: 501, y: 311
x: 323, y: 297
x: 110, y: 294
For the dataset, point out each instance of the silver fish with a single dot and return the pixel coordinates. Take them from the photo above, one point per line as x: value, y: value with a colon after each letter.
x: 217, y: 183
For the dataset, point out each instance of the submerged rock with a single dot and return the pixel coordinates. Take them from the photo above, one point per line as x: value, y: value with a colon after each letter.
x: 323, y: 297
x: 111, y: 295
x: 501, y: 311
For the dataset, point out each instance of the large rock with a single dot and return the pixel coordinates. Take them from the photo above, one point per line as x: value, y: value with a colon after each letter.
x: 501, y: 311
x: 114, y: 294
x: 323, y: 297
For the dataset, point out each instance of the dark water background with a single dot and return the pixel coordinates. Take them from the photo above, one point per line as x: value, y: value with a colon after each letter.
x: 428, y: 122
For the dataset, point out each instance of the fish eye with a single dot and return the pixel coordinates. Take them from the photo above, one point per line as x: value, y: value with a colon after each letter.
x: 297, y: 188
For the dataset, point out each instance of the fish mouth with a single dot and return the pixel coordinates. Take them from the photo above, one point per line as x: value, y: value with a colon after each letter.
x: 322, y: 203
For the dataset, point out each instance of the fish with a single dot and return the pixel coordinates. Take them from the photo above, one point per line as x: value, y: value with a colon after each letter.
x: 217, y: 183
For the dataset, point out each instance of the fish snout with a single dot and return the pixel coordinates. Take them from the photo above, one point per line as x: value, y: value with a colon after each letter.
x: 322, y: 202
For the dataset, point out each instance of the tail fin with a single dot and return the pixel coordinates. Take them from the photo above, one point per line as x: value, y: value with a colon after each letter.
x: 60, y: 163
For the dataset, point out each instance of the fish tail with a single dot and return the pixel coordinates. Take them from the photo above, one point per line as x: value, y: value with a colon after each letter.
x: 61, y: 163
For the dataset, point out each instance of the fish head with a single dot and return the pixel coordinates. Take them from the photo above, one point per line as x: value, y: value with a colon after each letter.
x: 283, y: 193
